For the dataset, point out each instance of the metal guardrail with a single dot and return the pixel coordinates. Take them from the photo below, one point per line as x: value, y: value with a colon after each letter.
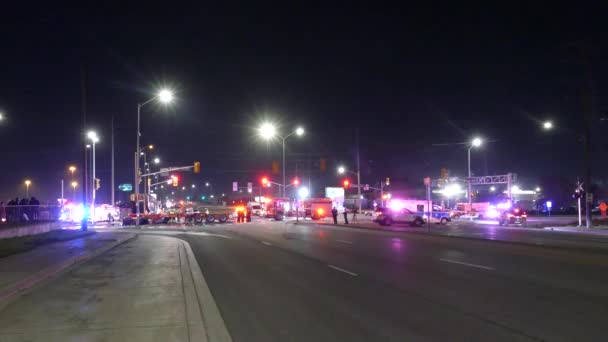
x: 29, y: 213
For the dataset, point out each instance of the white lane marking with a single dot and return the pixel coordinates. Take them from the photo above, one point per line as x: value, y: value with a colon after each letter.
x: 207, y: 234
x: 342, y: 270
x: 467, y: 264
x: 266, y: 243
x: 344, y: 241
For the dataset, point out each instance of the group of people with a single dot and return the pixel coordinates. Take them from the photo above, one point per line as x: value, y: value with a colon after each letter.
x: 334, y: 214
x: 17, y: 210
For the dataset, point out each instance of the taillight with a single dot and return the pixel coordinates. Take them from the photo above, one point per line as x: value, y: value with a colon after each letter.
x: 524, y: 215
x: 509, y: 215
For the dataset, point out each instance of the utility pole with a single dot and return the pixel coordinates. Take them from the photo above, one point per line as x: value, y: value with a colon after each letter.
x: 83, y: 103
x: 112, y: 181
x: 358, y: 173
x: 587, y: 108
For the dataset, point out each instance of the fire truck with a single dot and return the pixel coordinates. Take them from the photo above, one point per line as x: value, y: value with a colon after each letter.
x: 278, y: 207
x: 317, y: 208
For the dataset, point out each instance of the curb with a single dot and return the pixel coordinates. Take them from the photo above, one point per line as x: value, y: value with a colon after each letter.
x: 214, y: 327
x: 22, y: 286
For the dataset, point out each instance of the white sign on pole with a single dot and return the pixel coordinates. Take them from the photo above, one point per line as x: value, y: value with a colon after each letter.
x: 235, y: 186
x: 164, y: 171
x: 249, y: 187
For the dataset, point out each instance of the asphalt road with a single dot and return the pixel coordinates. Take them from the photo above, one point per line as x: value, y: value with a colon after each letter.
x: 280, y: 282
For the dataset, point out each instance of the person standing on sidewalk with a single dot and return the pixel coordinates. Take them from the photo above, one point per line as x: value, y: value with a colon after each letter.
x: 345, y: 215
x: 334, y: 214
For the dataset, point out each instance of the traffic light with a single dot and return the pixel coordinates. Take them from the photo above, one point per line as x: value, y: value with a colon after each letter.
x: 97, y: 183
x: 175, y: 180
x: 388, y: 181
x: 197, y: 167
x: 264, y: 181
x: 203, y: 197
x: 296, y: 182
x: 346, y: 184
x: 187, y: 198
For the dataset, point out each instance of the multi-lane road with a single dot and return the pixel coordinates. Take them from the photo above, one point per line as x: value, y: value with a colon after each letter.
x: 276, y: 281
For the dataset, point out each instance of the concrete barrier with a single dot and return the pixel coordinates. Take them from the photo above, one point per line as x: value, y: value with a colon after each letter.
x: 30, y: 229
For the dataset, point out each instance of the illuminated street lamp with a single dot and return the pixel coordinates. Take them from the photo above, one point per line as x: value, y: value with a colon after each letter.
x: 492, y: 188
x: 342, y: 170
x: 1, y: 116
x: 476, y: 142
x: 27, y: 188
x: 547, y: 125
x: 164, y: 96
x: 537, y: 189
x: 72, y: 169
x: 268, y: 131
x: 156, y: 160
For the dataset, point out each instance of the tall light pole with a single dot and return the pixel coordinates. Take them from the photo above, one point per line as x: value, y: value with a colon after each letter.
x: 92, y: 135
x: 164, y: 96
x: 27, y: 188
x: 342, y: 170
x: 74, y: 185
x: 268, y: 131
x: 476, y: 142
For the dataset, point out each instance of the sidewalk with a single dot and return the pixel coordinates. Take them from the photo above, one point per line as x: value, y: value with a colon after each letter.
x: 148, y: 289
x: 21, y: 271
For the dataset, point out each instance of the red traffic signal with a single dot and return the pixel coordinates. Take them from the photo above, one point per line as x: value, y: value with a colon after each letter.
x: 175, y: 180
x: 265, y: 181
x: 346, y: 184
x: 296, y: 182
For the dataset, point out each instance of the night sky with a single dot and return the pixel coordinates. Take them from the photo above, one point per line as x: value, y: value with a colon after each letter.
x: 407, y: 77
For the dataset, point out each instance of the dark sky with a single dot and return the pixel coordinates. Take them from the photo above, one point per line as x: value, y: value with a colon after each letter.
x: 407, y: 77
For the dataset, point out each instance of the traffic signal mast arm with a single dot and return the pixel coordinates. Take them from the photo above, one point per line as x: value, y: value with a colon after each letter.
x: 171, y: 169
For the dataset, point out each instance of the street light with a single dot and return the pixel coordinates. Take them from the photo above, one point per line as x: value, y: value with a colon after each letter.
x: 27, y: 188
x: 193, y: 186
x: 537, y: 189
x: 342, y: 170
x: 268, y: 131
x: 164, y: 96
x: 476, y: 142
x: 74, y: 185
x: 492, y: 188
x: 547, y: 125
x: 72, y: 169
x: 157, y: 160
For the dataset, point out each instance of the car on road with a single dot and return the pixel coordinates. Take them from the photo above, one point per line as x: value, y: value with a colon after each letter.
x: 388, y: 217
x: 513, y: 216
